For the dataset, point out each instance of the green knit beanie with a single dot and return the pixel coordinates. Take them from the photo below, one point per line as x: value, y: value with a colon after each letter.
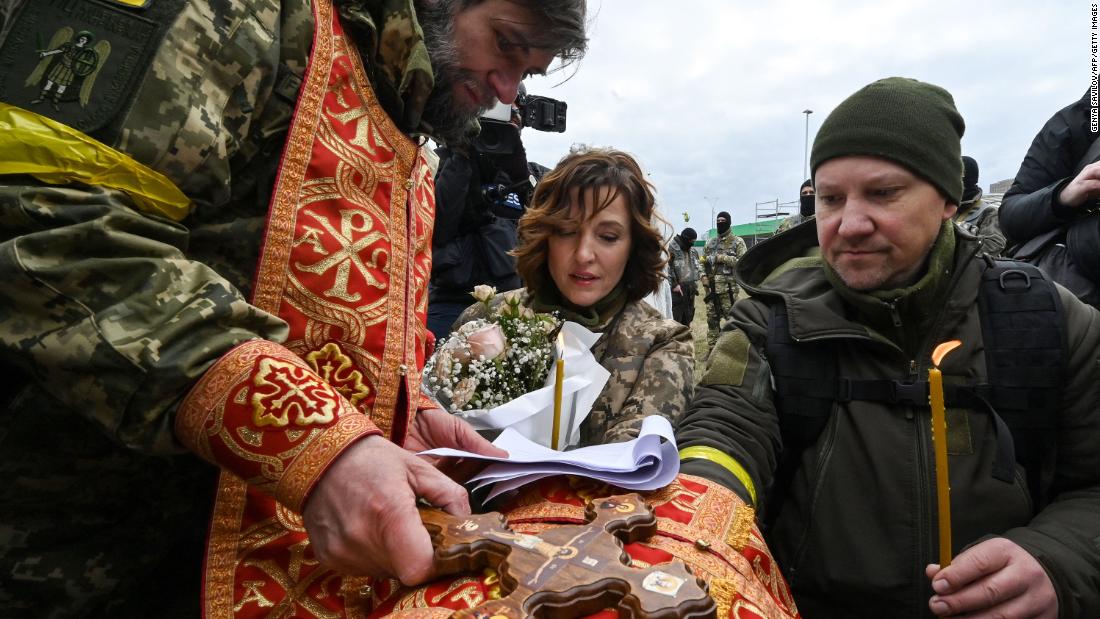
x: 904, y: 120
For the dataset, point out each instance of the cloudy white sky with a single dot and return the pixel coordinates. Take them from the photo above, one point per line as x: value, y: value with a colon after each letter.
x: 709, y: 94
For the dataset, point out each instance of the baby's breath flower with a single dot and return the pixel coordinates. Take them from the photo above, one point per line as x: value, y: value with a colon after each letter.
x: 462, y: 379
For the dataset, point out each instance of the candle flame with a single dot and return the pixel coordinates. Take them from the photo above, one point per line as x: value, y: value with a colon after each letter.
x: 561, y: 345
x: 941, y: 351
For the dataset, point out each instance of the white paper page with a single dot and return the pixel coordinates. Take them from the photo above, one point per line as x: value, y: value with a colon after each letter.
x: 645, y: 463
x: 611, y: 456
x: 651, y: 477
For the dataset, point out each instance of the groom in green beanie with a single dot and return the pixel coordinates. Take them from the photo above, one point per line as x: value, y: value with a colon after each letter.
x: 814, y: 405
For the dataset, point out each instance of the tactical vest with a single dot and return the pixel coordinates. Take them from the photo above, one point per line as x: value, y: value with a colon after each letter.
x: 1023, y: 331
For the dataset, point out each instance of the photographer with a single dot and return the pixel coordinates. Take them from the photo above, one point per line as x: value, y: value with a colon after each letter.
x: 481, y: 189
x: 1050, y: 212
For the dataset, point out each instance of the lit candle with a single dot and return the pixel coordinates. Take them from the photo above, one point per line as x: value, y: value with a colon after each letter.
x: 559, y: 378
x: 939, y: 443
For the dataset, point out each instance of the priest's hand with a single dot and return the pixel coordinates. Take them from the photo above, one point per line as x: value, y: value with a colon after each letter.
x: 436, y: 427
x: 361, y: 517
x: 996, y: 578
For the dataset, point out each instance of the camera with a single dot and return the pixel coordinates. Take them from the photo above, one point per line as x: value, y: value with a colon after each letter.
x: 500, y: 137
x: 543, y: 113
x: 497, y: 137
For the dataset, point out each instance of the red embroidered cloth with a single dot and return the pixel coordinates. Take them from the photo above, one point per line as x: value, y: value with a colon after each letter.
x: 704, y: 524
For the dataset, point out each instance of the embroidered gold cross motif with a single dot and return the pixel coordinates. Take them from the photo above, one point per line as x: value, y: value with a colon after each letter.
x: 295, y: 585
x: 352, y: 240
x: 338, y: 370
x: 283, y: 392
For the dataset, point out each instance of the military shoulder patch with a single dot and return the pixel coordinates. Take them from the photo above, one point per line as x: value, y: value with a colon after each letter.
x: 78, y: 61
x: 728, y: 361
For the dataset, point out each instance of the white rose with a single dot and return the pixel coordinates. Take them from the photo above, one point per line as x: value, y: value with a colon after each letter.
x: 483, y: 292
x: 487, y: 342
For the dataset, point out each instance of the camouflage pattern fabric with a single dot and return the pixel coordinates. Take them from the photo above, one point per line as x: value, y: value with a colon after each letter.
x: 720, y: 256
x: 683, y: 266
x: 983, y: 221
x: 652, y: 367
x: 683, y: 271
x: 791, y: 222
x: 388, y: 31
x: 107, y: 316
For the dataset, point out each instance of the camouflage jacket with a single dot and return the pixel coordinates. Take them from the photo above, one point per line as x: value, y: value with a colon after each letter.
x: 982, y: 220
x: 792, y: 221
x: 652, y: 365
x: 722, y: 252
x: 108, y: 315
x: 683, y: 266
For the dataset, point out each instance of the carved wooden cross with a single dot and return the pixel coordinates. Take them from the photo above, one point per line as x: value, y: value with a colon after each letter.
x: 568, y: 571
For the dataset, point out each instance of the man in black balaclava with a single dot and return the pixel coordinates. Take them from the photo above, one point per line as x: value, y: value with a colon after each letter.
x: 720, y: 256
x: 806, y: 199
x: 805, y: 207
x: 977, y: 217
x: 683, y: 275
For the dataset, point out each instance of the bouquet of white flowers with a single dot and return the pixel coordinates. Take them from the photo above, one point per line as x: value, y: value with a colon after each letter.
x: 487, y: 363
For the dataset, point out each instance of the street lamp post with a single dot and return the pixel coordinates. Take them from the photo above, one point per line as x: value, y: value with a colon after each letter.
x: 711, y: 200
x: 806, y: 150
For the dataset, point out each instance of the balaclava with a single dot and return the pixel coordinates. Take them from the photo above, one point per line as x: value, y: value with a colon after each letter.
x: 806, y: 203
x: 720, y: 225
x: 970, y: 179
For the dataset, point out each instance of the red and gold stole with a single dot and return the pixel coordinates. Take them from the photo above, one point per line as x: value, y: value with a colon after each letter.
x: 345, y: 262
x: 698, y: 521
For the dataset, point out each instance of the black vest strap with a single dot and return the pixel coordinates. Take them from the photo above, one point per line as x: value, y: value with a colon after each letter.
x: 1023, y: 334
x: 1023, y: 328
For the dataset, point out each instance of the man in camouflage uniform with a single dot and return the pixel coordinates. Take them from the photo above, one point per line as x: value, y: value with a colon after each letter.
x: 683, y: 275
x: 977, y: 216
x: 805, y: 208
x: 720, y: 256
x: 130, y: 230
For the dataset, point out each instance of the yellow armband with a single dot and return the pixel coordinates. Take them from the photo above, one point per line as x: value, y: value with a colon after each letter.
x: 724, y: 461
x: 56, y: 153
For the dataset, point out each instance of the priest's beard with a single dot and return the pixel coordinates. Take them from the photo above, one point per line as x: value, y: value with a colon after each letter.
x: 448, y: 117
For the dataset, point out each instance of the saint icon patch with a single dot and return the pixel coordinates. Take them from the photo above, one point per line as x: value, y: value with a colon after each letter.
x: 71, y: 63
x: 76, y: 61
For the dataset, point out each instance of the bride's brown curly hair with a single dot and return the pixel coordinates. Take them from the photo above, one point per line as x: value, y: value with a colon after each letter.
x: 575, y: 181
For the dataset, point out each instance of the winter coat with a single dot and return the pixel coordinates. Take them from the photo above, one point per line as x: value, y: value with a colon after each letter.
x: 683, y: 264
x: 651, y: 360
x: 859, y: 525
x: 1031, y: 206
x: 470, y: 244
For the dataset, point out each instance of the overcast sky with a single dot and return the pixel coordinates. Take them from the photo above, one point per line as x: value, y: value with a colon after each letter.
x: 709, y: 94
